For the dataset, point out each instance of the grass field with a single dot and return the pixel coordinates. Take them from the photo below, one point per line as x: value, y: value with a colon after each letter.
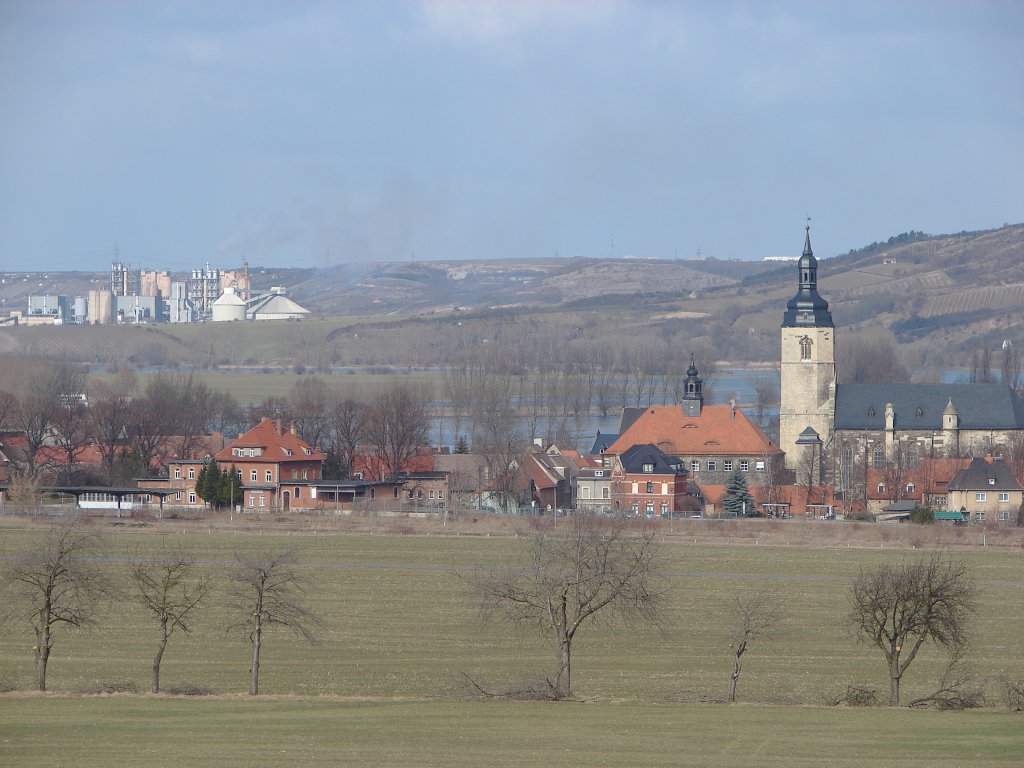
x: 384, y: 685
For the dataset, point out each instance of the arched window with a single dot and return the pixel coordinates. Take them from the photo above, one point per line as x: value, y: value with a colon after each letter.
x: 913, y: 456
x: 847, y: 456
x: 805, y: 348
x: 878, y: 457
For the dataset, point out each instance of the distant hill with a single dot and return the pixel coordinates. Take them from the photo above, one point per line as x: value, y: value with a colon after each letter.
x: 940, y: 296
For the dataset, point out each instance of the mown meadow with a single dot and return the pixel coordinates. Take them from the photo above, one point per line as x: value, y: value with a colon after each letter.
x: 388, y: 681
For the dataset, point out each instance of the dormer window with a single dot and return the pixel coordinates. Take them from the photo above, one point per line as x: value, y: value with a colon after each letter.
x: 598, y: 473
x: 648, y: 468
x: 287, y: 451
x: 991, y: 481
x: 308, y: 452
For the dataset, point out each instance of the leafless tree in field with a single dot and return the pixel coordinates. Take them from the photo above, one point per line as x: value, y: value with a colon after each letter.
x: 267, y: 591
x: 586, y: 570
x: 753, y: 616
x: 56, y: 586
x: 170, y: 589
x: 898, y: 607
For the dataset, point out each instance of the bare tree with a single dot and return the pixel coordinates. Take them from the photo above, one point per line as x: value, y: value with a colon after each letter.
x: 56, y: 586
x: 895, y: 475
x: 808, y: 471
x: 870, y: 358
x: 587, y: 569
x: 753, y: 616
x: 110, y: 408
x: 397, y: 425
x: 310, y: 402
x: 900, y: 606
x: 267, y: 591
x: 170, y: 588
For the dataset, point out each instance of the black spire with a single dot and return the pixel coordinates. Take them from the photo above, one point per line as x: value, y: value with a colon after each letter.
x: 693, y: 394
x: 807, y: 308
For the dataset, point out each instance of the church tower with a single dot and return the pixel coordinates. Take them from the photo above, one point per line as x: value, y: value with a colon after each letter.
x: 808, y: 369
x: 693, y: 391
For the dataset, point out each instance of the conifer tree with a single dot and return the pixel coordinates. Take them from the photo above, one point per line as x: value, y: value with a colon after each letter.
x: 738, y: 500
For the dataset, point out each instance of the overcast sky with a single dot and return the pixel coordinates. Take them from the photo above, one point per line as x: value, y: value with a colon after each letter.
x: 309, y: 134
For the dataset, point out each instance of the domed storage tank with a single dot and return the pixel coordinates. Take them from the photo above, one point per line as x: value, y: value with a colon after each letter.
x: 81, y: 309
x: 229, y: 306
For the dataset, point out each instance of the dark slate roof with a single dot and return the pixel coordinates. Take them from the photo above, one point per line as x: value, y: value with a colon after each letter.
x: 601, y: 442
x: 807, y: 308
x: 634, y: 458
x: 920, y: 406
x: 981, y: 474
x: 629, y: 415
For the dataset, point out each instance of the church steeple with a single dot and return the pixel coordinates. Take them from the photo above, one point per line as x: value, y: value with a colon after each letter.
x: 807, y: 308
x: 693, y: 395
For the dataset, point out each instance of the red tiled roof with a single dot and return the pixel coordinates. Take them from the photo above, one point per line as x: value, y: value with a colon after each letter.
x: 275, y: 442
x: 720, y: 429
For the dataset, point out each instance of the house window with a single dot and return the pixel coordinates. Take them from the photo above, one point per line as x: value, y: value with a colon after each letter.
x: 712, y: 466
x: 805, y: 348
x: 584, y: 492
x: 664, y: 508
x: 238, y: 474
x: 254, y: 475
x: 648, y: 468
x: 1004, y: 495
x: 304, y: 474
x: 981, y: 496
x: 295, y: 474
x: 287, y: 451
x: 744, y: 466
x: 599, y: 473
x: 727, y: 465
x: 910, y: 487
x: 191, y: 498
x: 177, y: 495
x: 878, y: 457
x: 695, y: 466
x: 881, y: 487
x: 430, y: 494
x: 396, y: 491
x: 252, y: 502
x: 1004, y: 515
x: 237, y: 452
x: 650, y: 507
x: 373, y: 493
x: 440, y: 494
x: 357, y: 475
x: 606, y: 493
x: 177, y: 473
x: 980, y: 516
x: 635, y: 507
x: 759, y: 466
x: 263, y: 500
x: 650, y: 487
x: 270, y: 476
x: 191, y: 473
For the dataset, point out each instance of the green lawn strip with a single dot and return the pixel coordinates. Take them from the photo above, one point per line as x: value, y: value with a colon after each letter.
x: 120, y: 730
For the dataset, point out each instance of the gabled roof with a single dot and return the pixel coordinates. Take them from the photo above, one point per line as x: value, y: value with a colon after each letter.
x: 719, y: 430
x: 278, y: 444
x: 601, y: 442
x: 635, y: 457
x: 920, y: 406
x: 982, y: 474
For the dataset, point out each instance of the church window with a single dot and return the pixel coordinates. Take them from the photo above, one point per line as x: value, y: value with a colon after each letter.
x: 847, y: 456
x: 805, y: 348
x: 913, y: 456
x: 878, y: 457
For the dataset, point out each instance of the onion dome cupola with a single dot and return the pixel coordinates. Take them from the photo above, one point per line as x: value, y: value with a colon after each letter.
x: 693, y: 391
x: 807, y: 308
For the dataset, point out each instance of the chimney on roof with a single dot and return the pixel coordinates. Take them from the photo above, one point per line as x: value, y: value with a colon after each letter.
x: 293, y: 429
x: 277, y: 426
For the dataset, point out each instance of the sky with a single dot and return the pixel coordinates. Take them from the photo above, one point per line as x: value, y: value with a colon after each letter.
x: 172, y: 133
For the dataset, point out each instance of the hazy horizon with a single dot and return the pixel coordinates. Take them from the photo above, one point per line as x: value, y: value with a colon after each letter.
x: 316, y: 134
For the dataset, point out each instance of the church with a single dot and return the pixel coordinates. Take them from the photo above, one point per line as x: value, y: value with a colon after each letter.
x: 850, y: 427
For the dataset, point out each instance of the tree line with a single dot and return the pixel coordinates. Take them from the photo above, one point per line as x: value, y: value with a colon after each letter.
x: 572, y: 577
